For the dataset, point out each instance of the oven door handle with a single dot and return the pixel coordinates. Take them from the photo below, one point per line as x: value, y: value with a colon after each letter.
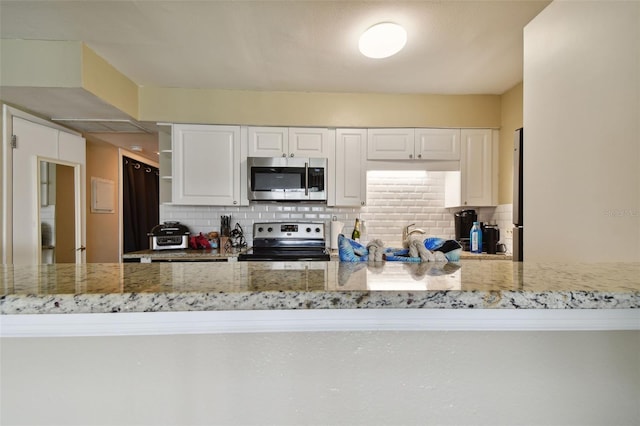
x: 306, y: 179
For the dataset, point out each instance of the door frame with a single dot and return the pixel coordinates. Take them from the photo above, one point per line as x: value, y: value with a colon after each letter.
x: 6, y: 212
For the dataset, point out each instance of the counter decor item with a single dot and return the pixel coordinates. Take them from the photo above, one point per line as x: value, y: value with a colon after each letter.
x: 355, y: 235
x: 336, y: 229
x: 225, y: 232
x: 237, y: 237
x: 476, y: 238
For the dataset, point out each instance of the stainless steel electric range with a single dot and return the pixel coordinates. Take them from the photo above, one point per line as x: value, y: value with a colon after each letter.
x: 287, y: 241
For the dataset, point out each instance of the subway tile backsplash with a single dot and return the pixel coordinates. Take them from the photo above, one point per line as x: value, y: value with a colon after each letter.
x: 394, y: 199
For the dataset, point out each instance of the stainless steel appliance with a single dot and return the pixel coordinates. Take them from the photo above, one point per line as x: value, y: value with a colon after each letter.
x: 287, y: 241
x: 169, y: 236
x: 463, y: 222
x: 287, y: 179
x: 518, y: 222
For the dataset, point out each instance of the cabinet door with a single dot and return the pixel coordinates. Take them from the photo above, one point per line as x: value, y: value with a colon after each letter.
x: 390, y: 144
x: 438, y: 144
x: 351, y: 173
x: 476, y: 167
x: 309, y: 142
x: 268, y: 142
x: 206, y: 165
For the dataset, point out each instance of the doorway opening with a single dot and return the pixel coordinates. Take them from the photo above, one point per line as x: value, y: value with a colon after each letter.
x: 140, y: 202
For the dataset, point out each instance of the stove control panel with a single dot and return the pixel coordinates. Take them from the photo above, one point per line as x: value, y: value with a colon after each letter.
x: 288, y: 230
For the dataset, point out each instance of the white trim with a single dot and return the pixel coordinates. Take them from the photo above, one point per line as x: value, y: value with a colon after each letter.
x: 215, y: 322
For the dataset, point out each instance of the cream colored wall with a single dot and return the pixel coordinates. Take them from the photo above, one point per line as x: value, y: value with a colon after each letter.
x: 318, y: 109
x: 102, y: 228
x: 2, y: 174
x: 37, y: 63
x: 337, y: 378
x: 582, y: 133
x: 511, y: 119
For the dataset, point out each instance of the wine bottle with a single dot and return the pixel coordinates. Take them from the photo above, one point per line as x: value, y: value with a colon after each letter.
x: 355, y: 235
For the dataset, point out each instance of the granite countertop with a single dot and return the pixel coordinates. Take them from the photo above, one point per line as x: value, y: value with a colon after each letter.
x: 184, y: 254
x: 212, y: 286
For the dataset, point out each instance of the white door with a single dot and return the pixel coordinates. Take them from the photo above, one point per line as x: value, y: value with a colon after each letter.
x: 33, y: 143
x: 32, y: 140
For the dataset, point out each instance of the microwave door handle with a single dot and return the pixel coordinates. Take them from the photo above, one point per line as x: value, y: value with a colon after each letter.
x: 306, y: 179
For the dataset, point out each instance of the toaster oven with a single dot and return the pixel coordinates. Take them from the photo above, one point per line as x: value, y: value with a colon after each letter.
x: 169, y: 236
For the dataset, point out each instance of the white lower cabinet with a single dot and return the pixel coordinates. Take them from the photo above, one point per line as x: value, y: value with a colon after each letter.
x: 206, y: 164
x: 476, y: 183
x: 350, y: 167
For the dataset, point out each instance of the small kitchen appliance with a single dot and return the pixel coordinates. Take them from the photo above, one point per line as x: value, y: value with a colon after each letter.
x: 287, y: 241
x: 287, y: 179
x: 491, y: 237
x: 463, y: 222
x: 169, y: 236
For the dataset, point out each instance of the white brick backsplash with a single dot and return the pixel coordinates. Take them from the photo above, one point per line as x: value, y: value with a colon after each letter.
x: 395, y: 199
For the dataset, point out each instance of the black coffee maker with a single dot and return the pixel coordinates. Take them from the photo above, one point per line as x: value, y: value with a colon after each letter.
x: 463, y: 222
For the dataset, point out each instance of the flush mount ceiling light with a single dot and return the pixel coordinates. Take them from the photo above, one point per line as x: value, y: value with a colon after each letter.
x: 382, y: 40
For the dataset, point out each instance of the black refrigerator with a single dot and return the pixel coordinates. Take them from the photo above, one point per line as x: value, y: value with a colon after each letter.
x: 518, y: 223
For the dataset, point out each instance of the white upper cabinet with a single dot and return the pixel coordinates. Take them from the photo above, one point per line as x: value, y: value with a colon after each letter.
x: 268, y: 142
x: 413, y: 144
x: 476, y: 183
x: 206, y: 165
x: 350, y: 167
x: 437, y: 144
x: 310, y: 142
x: 290, y: 142
x: 390, y: 144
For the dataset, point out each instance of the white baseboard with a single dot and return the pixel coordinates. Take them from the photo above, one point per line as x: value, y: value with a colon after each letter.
x: 211, y: 322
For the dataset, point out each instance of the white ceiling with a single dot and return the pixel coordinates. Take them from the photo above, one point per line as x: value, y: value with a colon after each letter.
x: 454, y: 47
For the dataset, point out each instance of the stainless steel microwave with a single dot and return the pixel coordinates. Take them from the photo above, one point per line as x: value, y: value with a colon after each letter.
x: 287, y: 179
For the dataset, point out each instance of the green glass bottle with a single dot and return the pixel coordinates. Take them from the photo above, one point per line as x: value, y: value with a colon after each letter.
x: 355, y: 235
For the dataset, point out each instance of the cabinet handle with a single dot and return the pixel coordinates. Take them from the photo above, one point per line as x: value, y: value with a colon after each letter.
x: 291, y: 155
x: 419, y: 155
x: 284, y: 154
x: 235, y: 202
x: 362, y: 203
x: 410, y: 155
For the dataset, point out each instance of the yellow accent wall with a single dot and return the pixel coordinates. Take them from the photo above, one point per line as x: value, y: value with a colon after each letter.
x: 511, y: 119
x: 103, y: 80
x: 317, y: 109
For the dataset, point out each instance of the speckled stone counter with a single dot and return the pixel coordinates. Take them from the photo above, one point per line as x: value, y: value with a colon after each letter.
x: 169, y: 287
x: 183, y: 255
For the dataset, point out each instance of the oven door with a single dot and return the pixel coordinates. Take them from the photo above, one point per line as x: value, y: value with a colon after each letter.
x: 284, y: 255
x: 287, y: 179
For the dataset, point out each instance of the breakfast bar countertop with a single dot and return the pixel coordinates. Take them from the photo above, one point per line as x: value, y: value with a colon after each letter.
x: 229, y: 286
